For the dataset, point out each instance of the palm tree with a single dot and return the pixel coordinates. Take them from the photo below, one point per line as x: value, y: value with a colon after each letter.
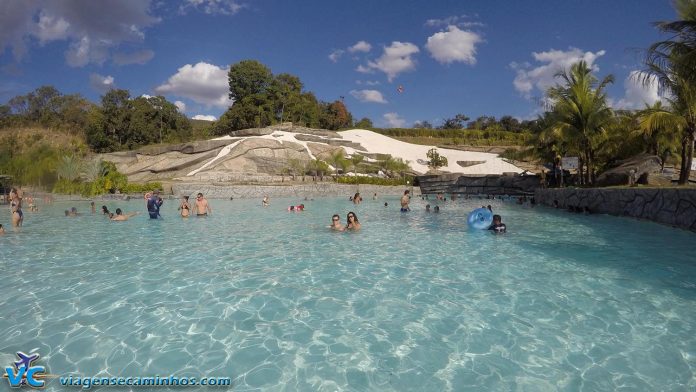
x: 69, y: 168
x: 670, y: 63
x: 336, y: 160
x: 581, y: 112
x: 356, y: 159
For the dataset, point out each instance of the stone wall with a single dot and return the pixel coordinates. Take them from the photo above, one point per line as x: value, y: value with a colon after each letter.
x: 479, y: 185
x: 671, y: 206
x: 295, y: 190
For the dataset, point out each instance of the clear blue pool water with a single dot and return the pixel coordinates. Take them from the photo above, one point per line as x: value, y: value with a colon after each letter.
x: 413, y: 302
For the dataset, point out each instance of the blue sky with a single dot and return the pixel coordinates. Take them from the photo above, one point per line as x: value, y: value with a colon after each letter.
x: 472, y: 57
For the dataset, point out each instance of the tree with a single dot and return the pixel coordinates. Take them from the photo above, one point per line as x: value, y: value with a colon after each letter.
x: 435, y: 160
x: 336, y: 159
x: 334, y: 116
x: 422, y: 125
x: 670, y: 63
x: 247, y: 78
x: 456, y: 122
x: 364, y: 123
x: 580, y: 111
x: 356, y: 159
x: 69, y: 168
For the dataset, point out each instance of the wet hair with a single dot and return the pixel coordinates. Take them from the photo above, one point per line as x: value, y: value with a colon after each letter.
x: 186, y: 198
x: 118, y: 211
x: 335, y: 216
x: 105, y: 210
x: 292, y: 208
x: 199, y: 194
x: 437, y: 208
x: 73, y: 209
x: 355, y: 217
x: 497, y: 217
x: 386, y: 204
x: 406, y: 192
x: 490, y: 208
x: 91, y: 203
x: 0, y: 225
x: 356, y: 196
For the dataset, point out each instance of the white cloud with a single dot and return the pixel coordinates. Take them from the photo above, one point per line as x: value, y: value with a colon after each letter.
x: 100, y: 83
x: 553, y: 61
x: 367, y: 82
x: 137, y: 57
x: 368, y: 96
x: 51, y: 28
x: 453, y: 45
x: 206, y: 117
x: 360, y: 46
x: 180, y: 105
x: 363, y: 69
x: 394, y: 120
x: 93, y: 28
x: 454, y: 20
x: 335, y: 55
x: 636, y: 93
x: 212, y: 7
x: 202, y: 83
x: 395, y: 59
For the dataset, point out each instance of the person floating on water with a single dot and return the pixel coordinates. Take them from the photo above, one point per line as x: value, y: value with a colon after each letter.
x: 185, y: 207
x: 336, y: 223
x: 120, y: 217
x: 498, y: 226
x: 405, y: 199
x: 353, y: 223
x: 202, y: 207
x: 154, y: 202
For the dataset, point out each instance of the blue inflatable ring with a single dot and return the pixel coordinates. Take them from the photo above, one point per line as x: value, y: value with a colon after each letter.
x: 480, y: 218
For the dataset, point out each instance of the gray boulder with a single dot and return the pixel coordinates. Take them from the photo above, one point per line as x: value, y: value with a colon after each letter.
x: 641, y: 166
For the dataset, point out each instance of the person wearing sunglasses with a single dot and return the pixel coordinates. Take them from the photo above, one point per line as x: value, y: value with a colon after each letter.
x: 353, y: 223
x: 336, y: 223
x: 202, y: 207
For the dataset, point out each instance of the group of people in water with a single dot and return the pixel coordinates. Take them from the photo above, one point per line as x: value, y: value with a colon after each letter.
x: 201, y: 208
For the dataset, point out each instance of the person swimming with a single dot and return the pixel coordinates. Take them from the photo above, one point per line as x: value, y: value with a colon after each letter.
x: 120, y: 217
x: 265, y: 202
x: 336, y: 223
x: 105, y: 210
x: 2, y: 229
x: 185, y: 207
x: 427, y: 208
x: 353, y: 222
x: 436, y: 209
x: 16, y: 208
x: 357, y: 199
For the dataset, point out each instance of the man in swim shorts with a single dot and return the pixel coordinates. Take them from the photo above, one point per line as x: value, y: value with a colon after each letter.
x: 405, y: 199
x: 154, y: 202
x: 202, y: 207
x: 336, y: 223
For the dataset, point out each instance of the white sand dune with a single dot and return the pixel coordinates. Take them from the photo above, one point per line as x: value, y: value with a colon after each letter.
x: 416, y: 154
x: 376, y: 143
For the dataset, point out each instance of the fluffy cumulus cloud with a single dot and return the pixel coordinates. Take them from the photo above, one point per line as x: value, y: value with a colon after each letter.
x: 638, y: 94
x: 360, y: 46
x: 542, y: 76
x: 396, y: 58
x: 202, y: 83
x: 394, y: 120
x: 453, y: 45
x: 368, y: 96
x: 212, y: 7
x: 101, y: 84
x: 180, y: 105
x: 206, y: 117
x: 93, y: 28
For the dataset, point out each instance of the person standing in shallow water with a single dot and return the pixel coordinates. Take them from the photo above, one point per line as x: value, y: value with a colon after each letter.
x: 336, y: 223
x: 405, y: 199
x: 202, y: 206
x: 16, y: 208
x: 154, y: 202
x: 185, y: 207
x: 353, y: 223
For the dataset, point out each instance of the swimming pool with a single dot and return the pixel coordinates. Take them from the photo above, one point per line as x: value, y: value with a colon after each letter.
x: 412, y: 302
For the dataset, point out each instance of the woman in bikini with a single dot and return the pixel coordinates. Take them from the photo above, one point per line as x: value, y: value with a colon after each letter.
x: 185, y: 208
x: 16, y: 208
